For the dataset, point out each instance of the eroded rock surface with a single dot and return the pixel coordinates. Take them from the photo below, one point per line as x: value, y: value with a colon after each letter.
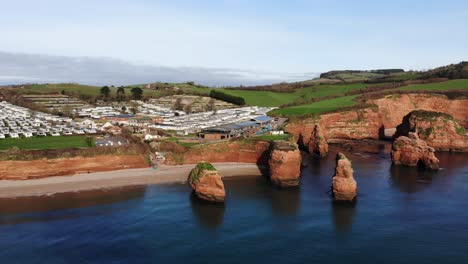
x: 344, y: 185
x: 206, y: 183
x: 438, y: 130
x: 412, y: 151
x: 285, y: 164
x: 318, y: 144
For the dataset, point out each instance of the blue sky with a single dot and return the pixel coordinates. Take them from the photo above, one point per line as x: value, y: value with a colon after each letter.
x: 272, y: 36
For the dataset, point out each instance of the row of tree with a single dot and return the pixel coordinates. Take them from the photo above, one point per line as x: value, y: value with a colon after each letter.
x: 136, y: 93
x: 227, y: 97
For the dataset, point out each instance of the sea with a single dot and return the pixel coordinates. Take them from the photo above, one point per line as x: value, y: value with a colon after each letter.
x: 401, y: 215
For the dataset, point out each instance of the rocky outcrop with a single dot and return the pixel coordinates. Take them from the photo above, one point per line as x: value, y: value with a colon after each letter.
x: 438, y: 130
x: 285, y: 164
x: 344, y: 185
x: 358, y: 124
x: 318, y: 144
x: 206, y: 183
x: 412, y: 151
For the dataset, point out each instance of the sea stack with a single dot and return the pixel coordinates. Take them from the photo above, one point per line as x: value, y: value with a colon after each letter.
x: 412, y: 151
x: 344, y: 185
x: 318, y: 144
x: 206, y: 183
x: 285, y: 164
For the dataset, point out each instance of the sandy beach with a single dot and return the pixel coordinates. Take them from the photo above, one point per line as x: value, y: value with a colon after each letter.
x: 118, y: 178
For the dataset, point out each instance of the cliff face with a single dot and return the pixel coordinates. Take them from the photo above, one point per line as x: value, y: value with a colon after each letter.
x: 369, y: 123
x: 285, y: 164
x: 252, y: 151
x: 206, y: 183
x: 318, y: 143
x: 344, y: 185
x: 393, y: 108
x: 358, y: 124
x: 439, y: 130
x: 42, y: 168
x: 412, y: 151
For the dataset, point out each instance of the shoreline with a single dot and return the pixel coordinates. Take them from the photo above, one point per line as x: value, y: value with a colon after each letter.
x: 117, y: 178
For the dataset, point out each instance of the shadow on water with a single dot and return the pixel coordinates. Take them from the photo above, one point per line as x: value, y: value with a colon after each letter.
x: 43, y: 208
x: 285, y: 202
x: 409, y: 179
x: 343, y: 216
x: 412, y: 180
x: 209, y: 215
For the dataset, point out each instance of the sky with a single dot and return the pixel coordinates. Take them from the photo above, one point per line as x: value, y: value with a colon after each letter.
x: 264, y: 40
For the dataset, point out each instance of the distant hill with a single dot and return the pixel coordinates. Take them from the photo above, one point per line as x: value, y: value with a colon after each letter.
x: 453, y: 71
x: 380, y: 75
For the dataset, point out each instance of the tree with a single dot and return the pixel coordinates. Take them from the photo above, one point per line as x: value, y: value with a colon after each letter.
x: 227, y: 97
x: 137, y: 93
x: 105, y: 91
x: 120, y: 94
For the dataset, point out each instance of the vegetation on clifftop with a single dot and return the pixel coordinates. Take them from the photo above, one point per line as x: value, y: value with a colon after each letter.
x: 430, y: 115
x: 284, y: 145
x: 197, y: 172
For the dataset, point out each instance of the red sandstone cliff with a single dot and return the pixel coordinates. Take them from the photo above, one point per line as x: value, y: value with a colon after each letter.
x: 369, y: 123
x: 285, y: 164
x: 344, y: 185
x: 357, y: 124
x: 251, y: 151
x: 393, y: 108
x: 412, y: 151
x: 439, y: 130
x: 206, y: 183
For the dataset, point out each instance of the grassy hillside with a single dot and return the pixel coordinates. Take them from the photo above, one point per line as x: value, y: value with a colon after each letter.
x: 46, y: 142
x: 448, y: 85
x: 266, y: 98
x: 317, y: 107
x: 346, y: 101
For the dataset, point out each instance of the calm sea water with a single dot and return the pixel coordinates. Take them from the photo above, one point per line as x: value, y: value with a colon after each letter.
x: 402, y: 215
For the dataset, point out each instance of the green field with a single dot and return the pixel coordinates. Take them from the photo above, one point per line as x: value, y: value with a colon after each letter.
x: 317, y: 107
x: 47, y: 142
x: 346, y: 101
x: 460, y: 84
x: 266, y: 98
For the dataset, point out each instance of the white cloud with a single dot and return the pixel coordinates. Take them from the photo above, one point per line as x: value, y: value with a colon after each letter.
x: 16, y: 68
